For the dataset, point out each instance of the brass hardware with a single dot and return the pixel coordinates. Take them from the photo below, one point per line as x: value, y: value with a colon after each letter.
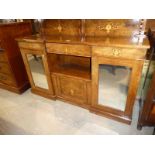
x: 116, y: 52
x: 66, y: 50
x: 72, y: 91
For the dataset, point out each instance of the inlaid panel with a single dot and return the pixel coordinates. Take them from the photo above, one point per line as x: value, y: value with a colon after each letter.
x: 71, y: 89
x: 116, y: 52
x: 31, y: 46
x: 112, y: 27
x: 79, y: 50
x: 62, y: 27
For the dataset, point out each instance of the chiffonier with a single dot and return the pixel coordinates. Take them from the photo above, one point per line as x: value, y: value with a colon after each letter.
x: 95, y: 64
x: 13, y: 74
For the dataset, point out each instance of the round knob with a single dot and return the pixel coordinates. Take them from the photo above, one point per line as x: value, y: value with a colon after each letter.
x: 72, y: 92
x: 66, y: 50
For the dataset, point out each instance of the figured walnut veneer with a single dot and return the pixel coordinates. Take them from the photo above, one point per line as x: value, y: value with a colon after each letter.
x: 73, y: 50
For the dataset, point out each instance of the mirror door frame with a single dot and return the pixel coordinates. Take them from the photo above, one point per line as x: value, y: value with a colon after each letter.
x: 49, y: 93
x: 136, y: 69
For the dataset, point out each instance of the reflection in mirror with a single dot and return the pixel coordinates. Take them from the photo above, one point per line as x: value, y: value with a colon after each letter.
x: 113, y: 86
x: 37, y: 70
x: 148, y: 78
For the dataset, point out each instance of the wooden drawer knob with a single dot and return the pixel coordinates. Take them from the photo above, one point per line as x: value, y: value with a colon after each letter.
x: 72, y: 92
x: 116, y: 52
x: 66, y: 50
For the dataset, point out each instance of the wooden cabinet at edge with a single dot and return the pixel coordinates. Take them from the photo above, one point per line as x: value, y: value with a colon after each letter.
x: 13, y: 76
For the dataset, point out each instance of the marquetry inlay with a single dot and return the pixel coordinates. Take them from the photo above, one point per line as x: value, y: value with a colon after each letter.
x: 59, y: 28
x: 110, y: 26
x: 116, y: 52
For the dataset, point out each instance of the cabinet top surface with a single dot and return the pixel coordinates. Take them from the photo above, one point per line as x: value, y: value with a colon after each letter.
x: 129, y: 42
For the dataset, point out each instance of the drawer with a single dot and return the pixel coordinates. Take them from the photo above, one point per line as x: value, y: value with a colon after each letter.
x: 79, y: 50
x: 7, y: 79
x: 72, y: 89
x: 119, y: 52
x: 4, y: 68
x: 31, y: 46
x: 3, y: 57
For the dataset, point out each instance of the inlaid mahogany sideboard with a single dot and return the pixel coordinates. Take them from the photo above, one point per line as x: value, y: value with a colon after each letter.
x: 95, y: 64
x: 13, y: 76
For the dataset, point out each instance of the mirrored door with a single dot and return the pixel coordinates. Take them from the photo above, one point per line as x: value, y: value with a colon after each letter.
x: 37, y: 70
x: 113, y: 86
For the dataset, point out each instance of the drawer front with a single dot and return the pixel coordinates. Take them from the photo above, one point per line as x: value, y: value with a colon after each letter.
x: 4, y: 68
x: 71, y: 89
x: 3, y: 57
x: 119, y: 52
x: 79, y: 50
x: 31, y: 46
x: 7, y: 79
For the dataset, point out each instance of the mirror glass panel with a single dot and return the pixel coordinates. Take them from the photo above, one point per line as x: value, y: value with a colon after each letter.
x: 113, y: 86
x: 147, y: 80
x: 37, y: 70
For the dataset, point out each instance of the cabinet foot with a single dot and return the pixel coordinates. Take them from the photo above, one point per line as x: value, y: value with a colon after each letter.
x: 154, y: 131
x: 139, y: 127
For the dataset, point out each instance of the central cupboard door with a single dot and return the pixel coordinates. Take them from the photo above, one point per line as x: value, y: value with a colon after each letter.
x: 71, y: 89
x: 114, y: 86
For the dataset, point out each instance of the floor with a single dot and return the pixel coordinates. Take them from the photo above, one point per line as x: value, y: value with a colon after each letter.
x: 32, y: 114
